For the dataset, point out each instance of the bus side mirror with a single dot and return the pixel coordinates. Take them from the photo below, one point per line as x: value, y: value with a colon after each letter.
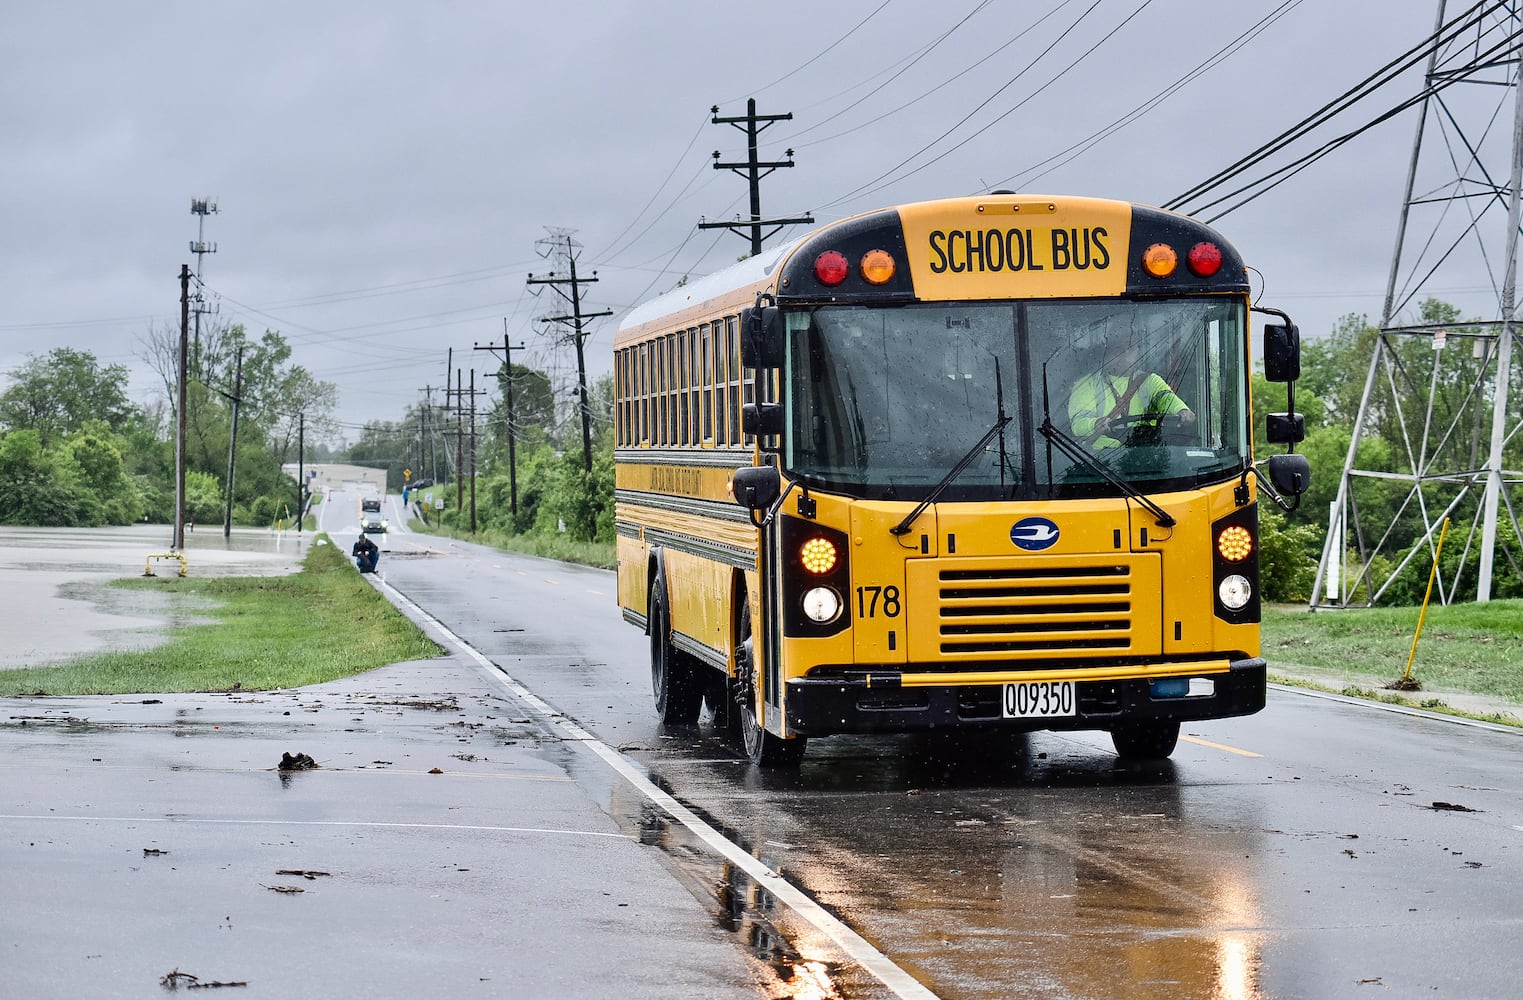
x: 761, y: 337
x: 1285, y: 428
x: 1290, y: 474
x: 756, y: 487
x: 762, y: 419
x: 1282, y: 353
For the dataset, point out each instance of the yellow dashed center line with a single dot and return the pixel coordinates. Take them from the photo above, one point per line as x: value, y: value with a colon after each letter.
x: 1220, y: 746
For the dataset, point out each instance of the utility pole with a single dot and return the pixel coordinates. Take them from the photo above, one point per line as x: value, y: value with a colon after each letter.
x: 506, y: 374
x: 301, y: 470
x: 200, y: 208
x: 235, y: 398
x: 179, y: 530
x: 449, y: 366
x: 459, y: 441
x: 464, y: 467
x: 426, y: 426
x: 575, y: 319
x: 754, y: 170
x: 473, y: 451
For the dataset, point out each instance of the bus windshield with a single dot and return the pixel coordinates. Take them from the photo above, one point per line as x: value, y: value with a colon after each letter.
x: 883, y: 401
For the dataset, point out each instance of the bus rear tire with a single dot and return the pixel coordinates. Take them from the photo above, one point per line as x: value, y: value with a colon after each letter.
x: 720, y: 702
x: 1145, y: 740
x: 673, y: 679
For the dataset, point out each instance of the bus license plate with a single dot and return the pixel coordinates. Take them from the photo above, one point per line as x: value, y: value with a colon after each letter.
x: 1040, y: 700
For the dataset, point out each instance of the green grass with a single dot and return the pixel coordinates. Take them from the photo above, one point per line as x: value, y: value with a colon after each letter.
x: 559, y: 547
x: 1474, y: 648
x: 261, y: 633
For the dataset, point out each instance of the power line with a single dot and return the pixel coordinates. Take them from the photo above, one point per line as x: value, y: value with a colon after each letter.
x: 1067, y: 155
x: 869, y: 186
x: 818, y: 55
x: 1348, y: 98
x: 925, y: 94
x: 1280, y: 175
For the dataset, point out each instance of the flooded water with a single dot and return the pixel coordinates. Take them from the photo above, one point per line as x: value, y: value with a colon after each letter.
x: 59, y: 604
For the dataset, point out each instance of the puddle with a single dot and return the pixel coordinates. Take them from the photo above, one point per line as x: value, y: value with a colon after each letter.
x: 800, y: 962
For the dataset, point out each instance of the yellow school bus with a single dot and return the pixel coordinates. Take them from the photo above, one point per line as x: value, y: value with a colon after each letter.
x: 978, y: 462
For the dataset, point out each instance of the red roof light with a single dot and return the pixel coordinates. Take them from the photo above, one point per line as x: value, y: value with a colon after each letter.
x: 1205, y: 259
x: 831, y: 268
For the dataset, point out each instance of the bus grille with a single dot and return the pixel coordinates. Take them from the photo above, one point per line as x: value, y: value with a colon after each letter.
x: 1054, y: 611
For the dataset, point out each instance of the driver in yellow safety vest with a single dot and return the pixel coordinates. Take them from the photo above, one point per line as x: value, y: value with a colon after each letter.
x: 1104, y: 405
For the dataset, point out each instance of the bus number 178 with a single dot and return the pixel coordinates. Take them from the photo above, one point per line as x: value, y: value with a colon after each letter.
x: 868, y: 601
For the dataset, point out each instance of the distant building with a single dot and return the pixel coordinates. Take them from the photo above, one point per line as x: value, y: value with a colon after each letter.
x: 324, y: 476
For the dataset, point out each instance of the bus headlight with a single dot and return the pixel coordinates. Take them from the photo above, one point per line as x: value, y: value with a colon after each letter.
x: 1235, y: 592
x: 822, y: 604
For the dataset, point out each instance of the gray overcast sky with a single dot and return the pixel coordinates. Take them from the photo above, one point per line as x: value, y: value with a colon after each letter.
x: 384, y: 169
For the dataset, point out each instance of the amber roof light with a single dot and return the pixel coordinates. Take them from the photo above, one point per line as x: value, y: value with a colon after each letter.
x: 878, y: 267
x: 1160, y: 260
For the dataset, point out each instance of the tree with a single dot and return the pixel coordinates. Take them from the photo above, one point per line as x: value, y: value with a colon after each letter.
x: 36, y: 486
x: 56, y: 394
x: 97, y: 460
x: 273, y: 396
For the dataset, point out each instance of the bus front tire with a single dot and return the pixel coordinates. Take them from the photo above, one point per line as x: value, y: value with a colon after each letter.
x: 1145, y: 740
x: 761, y: 747
x: 766, y: 750
x: 676, y: 685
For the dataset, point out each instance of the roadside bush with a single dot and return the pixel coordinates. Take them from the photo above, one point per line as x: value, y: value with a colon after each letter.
x: 203, y: 498
x: 1288, y: 555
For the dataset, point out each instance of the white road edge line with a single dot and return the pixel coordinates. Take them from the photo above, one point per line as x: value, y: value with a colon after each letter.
x: 362, y: 824
x: 901, y: 983
x: 1416, y: 713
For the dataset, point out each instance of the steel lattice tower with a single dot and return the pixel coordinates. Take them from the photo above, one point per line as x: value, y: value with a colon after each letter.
x: 1458, y: 228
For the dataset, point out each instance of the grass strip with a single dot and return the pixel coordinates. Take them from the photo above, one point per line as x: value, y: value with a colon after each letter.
x: 261, y: 633
x: 558, y: 547
x: 1473, y: 648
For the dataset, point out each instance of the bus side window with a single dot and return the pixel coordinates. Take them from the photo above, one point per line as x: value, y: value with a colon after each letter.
x: 732, y: 347
x: 721, y: 384
x: 706, y: 354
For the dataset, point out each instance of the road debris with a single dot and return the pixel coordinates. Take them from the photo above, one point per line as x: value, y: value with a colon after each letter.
x: 289, y: 889
x: 1452, y: 807
x: 296, y: 762
x: 308, y: 874
x: 174, y: 979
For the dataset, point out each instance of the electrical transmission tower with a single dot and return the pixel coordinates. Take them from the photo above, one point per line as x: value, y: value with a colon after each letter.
x: 754, y: 170
x: 560, y: 246
x: 1448, y: 458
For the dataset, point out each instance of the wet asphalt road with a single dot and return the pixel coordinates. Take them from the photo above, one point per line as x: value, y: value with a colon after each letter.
x: 444, y: 847
x: 1311, y: 851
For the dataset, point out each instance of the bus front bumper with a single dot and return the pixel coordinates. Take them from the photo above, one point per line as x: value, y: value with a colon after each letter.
x: 877, y: 702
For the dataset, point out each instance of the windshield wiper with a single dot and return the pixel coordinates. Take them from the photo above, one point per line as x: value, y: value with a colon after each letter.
x: 1001, y: 422
x: 999, y: 411
x: 1078, y: 453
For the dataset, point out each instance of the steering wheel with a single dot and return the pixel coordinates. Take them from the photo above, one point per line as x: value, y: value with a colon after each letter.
x: 1139, y: 429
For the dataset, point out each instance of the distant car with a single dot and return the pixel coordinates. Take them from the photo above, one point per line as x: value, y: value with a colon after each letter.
x: 373, y: 524
x: 371, y: 504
